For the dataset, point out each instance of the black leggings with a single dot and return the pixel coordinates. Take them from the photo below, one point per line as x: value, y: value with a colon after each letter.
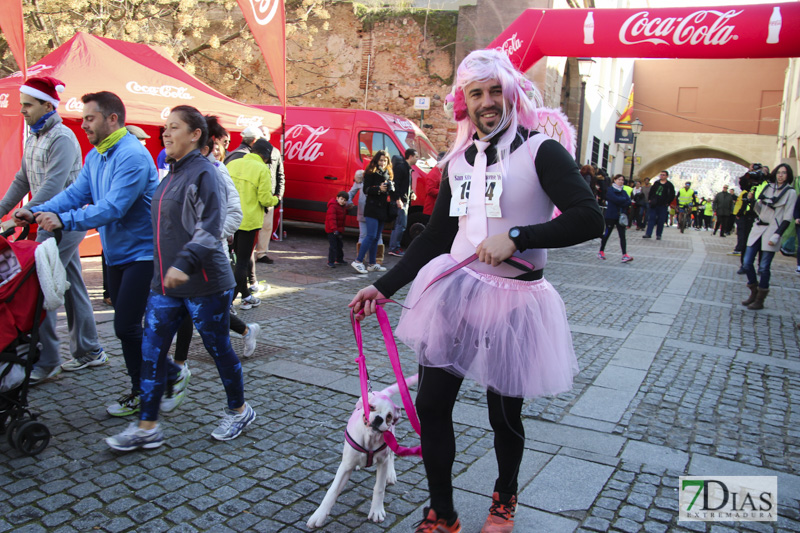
x: 436, y: 397
x: 184, y: 336
x: 610, y: 223
x: 243, y: 244
x: 129, y: 286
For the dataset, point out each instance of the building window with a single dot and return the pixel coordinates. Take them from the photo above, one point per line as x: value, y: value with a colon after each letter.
x: 595, y: 150
x: 606, y: 148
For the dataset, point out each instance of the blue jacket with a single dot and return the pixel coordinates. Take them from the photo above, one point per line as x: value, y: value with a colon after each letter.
x: 116, y: 187
x: 188, y: 215
x: 616, y: 202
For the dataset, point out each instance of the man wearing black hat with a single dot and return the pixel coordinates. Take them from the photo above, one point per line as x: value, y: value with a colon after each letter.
x: 51, y: 162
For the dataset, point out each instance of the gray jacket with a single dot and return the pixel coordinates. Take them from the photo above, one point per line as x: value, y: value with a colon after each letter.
x: 50, y: 163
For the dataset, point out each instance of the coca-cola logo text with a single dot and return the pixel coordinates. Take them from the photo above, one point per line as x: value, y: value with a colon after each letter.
x: 165, y: 113
x: 4, y: 100
x: 708, y: 27
x: 73, y: 104
x: 304, y: 149
x: 264, y: 10
x: 33, y: 70
x: 166, y: 91
x: 511, y: 45
x: 244, y: 121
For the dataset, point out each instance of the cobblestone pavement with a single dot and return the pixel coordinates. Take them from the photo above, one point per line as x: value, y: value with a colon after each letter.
x: 676, y: 379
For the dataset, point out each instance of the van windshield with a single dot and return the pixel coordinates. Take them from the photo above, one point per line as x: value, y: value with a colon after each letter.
x: 425, y: 150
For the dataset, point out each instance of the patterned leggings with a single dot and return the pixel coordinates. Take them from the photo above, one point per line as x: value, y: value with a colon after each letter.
x: 162, y: 318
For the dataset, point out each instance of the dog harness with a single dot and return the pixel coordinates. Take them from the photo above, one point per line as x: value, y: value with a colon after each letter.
x: 357, y: 447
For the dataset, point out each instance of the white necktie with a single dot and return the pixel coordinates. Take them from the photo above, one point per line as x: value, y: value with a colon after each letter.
x: 476, y: 206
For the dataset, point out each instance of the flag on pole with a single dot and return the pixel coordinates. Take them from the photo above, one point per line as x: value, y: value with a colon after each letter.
x: 14, y: 31
x: 627, y: 115
x: 267, y: 22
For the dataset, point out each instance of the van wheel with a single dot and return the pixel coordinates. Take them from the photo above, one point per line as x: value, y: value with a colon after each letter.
x: 414, y: 226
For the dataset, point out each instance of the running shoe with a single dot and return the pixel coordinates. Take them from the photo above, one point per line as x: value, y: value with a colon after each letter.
x: 626, y: 258
x: 176, y: 391
x: 95, y: 358
x: 134, y: 438
x: 433, y: 524
x: 259, y: 287
x: 601, y: 255
x: 250, y: 338
x: 501, y: 516
x: 249, y: 303
x: 376, y: 268
x: 397, y: 252
x: 233, y: 423
x: 331, y: 265
x: 125, y: 406
x: 360, y: 268
x: 39, y: 374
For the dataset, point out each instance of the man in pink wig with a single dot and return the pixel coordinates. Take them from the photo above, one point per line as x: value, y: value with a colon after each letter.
x: 493, y: 321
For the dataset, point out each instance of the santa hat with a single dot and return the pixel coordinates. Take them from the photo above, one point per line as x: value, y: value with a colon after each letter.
x: 44, y: 88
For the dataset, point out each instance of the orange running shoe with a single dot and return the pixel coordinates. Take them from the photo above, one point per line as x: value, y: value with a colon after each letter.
x: 432, y: 524
x: 501, y: 516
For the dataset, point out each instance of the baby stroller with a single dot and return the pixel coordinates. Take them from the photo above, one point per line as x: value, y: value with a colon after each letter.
x: 21, y: 313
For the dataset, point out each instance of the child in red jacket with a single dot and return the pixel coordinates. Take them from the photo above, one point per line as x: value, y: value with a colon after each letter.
x: 334, y: 227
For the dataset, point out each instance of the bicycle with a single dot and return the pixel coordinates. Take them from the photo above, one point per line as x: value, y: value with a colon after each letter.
x: 682, y: 212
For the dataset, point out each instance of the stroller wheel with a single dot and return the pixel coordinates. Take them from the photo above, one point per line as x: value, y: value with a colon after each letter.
x: 32, y: 438
x: 12, y: 429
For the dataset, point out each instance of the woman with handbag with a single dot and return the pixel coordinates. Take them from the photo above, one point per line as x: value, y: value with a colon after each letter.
x: 617, y: 202
x: 774, y: 210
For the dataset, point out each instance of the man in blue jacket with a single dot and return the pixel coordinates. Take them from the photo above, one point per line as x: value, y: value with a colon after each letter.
x: 116, y: 186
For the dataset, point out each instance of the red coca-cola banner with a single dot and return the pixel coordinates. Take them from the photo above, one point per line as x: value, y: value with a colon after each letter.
x: 14, y: 31
x: 747, y: 31
x: 267, y: 22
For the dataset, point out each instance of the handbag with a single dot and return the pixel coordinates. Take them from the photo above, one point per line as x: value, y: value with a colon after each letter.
x: 623, y: 219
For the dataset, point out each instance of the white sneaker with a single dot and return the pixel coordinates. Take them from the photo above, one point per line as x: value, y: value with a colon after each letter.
x: 134, y: 438
x: 259, y: 287
x: 376, y: 268
x: 798, y: 269
x: 95, y: 358
x: 233, y: 423
x: 249, y: 303
x: 250, y: 338
x: 39, y: 374
x: 359, y: 267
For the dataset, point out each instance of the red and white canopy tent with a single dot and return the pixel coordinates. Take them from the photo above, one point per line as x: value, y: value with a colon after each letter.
x: 149, y: 82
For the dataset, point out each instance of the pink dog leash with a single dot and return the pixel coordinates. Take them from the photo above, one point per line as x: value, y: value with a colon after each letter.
x: 394, y: 355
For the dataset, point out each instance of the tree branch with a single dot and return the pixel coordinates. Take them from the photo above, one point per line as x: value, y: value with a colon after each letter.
x: 185, y: 56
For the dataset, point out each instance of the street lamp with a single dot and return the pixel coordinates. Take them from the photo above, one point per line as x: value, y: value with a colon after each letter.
x: 636, y: 129
x: 584, y: 71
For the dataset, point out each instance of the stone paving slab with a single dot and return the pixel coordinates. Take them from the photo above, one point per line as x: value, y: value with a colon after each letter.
x: 691, y: 382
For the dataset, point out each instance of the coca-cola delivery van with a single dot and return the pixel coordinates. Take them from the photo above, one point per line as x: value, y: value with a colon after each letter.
x: 324, y: 148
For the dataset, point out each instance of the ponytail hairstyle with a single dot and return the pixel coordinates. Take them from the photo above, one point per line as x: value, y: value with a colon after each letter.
x: 520, y: 100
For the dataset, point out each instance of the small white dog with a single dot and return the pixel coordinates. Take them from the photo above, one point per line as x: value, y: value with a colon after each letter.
x: 364, y: 445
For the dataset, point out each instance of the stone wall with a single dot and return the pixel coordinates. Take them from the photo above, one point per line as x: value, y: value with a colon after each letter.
x: 328, y: 67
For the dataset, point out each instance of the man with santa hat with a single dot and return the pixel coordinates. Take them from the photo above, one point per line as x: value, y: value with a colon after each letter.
x: 51, y: 162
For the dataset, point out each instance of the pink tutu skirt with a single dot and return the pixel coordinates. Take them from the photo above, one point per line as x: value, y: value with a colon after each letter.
x: 510, y: 336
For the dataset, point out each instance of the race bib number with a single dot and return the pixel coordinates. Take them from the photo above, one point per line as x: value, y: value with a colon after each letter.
x: 461, y: 190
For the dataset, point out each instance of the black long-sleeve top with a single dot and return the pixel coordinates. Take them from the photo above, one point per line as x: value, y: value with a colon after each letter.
x: 580, y: 218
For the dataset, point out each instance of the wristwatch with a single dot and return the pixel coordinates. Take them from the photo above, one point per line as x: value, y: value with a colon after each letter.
x: 514, y: 234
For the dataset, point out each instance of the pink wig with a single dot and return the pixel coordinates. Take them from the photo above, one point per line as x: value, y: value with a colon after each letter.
x: 520, y: 100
